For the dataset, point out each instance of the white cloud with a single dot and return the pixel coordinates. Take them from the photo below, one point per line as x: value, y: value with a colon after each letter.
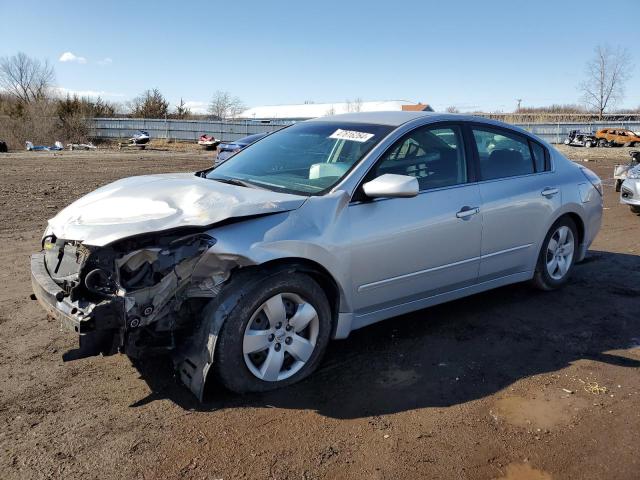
x: 70, y: 57
x: 105, y: 61
x: 63, y: 92
x: 196, y: 106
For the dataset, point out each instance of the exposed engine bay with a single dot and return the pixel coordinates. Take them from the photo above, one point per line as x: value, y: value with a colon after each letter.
x: 129, y: 296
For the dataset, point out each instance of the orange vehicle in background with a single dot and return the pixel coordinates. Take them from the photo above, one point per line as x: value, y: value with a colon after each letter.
x: 612, y: 137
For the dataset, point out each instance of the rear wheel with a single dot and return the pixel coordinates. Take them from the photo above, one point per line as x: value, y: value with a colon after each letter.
x: 588, y: 144
x: 557, y: 256
x: 602, y: 142
x: 635, y: 209
x: 618, y: 185
x: 275, y: 336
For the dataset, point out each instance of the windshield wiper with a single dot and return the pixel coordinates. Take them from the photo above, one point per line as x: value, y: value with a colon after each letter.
x: 237, y: 181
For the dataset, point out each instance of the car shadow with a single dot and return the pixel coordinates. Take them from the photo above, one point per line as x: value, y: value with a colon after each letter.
x: 456, y: 352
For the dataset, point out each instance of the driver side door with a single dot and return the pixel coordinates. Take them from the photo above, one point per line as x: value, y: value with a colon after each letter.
x: 408, y: 249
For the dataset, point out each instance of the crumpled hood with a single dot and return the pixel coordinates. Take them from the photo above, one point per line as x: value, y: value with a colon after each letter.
x: 153, y: 203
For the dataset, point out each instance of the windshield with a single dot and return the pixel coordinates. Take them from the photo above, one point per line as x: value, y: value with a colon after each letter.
x: 307, y: 158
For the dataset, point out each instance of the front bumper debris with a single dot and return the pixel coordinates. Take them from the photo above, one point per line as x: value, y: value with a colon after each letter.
x: 80, y: 317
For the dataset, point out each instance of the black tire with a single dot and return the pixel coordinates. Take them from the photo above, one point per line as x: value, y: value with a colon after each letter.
x: 635, y: 209
x: 618, y: 185
x: 602, y: 143
x: 230, y: 367
x: 588, y: 144
x: 541, y: 277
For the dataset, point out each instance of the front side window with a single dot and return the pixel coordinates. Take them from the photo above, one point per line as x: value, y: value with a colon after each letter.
x: 502, y: 154
x: 307, y: 158
x: 435, y: 156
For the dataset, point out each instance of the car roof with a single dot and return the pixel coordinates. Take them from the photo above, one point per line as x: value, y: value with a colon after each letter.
x: 394, y: 118
x: 398, y: 118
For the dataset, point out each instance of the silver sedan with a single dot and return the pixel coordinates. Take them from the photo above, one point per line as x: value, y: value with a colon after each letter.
x: 247, y: 270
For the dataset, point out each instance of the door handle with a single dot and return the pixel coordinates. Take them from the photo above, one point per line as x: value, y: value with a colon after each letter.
x: 466, y: 212
x: 549, y: 192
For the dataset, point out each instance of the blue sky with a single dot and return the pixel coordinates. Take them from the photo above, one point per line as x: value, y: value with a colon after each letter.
x: 471, y: 54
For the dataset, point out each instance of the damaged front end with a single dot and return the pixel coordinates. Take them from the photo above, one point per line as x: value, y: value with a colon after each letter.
x: 132, y: 296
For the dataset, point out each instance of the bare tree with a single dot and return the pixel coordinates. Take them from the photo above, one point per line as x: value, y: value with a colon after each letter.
x: 452, y: 109
x: 354, y: 105
x: 149, y: 104
x: 607, y: 73
x: 224, y: 106
x: 181, y: 111
x: 25, y: 78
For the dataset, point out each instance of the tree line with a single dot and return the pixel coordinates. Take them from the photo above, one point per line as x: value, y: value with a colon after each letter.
x: 32, y: 108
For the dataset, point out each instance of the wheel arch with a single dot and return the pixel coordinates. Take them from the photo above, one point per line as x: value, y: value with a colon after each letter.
x: 331, y: 288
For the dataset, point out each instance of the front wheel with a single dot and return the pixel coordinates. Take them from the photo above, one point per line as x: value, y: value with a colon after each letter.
x: 556, y: 258
x: 635, y: 209
x: 588, y: 144
x: 275, y: 336
x: 602, y: 142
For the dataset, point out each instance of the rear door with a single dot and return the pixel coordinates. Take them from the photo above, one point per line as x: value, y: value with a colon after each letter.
x: 519, y: 195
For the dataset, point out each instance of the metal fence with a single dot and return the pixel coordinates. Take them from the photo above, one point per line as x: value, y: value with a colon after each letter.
x: 190, y: 130
x: 557, y: 132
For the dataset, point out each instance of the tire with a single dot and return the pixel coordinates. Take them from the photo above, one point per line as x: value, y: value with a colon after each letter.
x: 618, y: 185
x: 635, y: 209
x: 238, y: 367
x: 543, y: 278
x: 602, y: 142
x: 588, y: 144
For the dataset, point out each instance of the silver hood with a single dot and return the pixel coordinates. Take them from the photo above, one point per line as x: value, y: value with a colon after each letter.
x: 153, y: 203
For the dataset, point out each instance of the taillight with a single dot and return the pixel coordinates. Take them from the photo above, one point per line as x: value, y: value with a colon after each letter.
x: 593, y: 179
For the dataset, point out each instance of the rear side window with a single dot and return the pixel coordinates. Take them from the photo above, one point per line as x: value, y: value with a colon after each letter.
x: 502, y: 154
x: 539, y: 156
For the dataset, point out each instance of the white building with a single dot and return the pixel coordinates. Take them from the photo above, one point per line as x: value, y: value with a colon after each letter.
x: 314, y: 110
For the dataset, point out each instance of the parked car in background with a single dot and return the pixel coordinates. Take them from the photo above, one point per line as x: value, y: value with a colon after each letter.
x: 581, y: 139
x: 629, y: 183
x: 613, y: 137
x: 245, y: 271
x: 225, y: 150
x: 621, y: 170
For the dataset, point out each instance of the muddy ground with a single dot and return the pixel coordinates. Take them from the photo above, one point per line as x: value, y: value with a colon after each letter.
x: 492, y: 386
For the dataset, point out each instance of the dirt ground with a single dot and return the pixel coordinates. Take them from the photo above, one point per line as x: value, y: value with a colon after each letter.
x: 499, y: 385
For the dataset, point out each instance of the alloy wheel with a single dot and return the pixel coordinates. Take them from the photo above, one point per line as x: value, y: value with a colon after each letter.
x: 280, y: 337
x: 560, y: 252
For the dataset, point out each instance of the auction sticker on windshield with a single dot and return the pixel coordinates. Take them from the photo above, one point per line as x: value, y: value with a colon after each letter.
x: 352, y: 135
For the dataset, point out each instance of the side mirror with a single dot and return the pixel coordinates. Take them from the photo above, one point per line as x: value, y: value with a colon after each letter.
x: 391, y: 185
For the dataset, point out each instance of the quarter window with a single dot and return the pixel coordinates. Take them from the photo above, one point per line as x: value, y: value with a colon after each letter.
x: 435, y: 156
x: 502, y: 154
x: 538, y: 156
